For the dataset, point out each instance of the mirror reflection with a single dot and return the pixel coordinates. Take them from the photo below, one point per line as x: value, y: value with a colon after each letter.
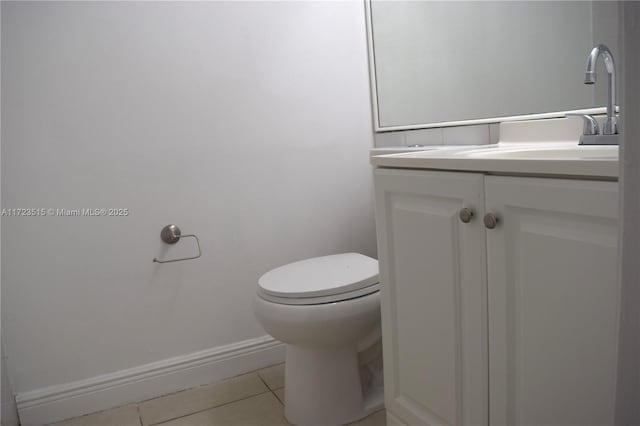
x: 439, y: 63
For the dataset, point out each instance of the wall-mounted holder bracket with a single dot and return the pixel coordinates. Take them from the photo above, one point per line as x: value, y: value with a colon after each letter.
x: 171, y: 234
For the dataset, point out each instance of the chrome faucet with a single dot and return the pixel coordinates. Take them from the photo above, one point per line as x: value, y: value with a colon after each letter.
x: 590, y: 132
x: 611, y: 124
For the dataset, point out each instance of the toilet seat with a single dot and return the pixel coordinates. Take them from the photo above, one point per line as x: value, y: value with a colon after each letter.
x: 321, y: 299
x: 319, y: 280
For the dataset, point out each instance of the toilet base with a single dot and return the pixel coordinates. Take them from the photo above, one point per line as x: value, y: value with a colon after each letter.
x: 323, y: 387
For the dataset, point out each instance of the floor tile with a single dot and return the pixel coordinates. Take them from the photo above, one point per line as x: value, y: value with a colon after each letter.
x: 260, y: 410
x: 122, y: 416
x: 273, y: 376
x: 198, y: 399
x: 280, y: 394
x: 379, y: 418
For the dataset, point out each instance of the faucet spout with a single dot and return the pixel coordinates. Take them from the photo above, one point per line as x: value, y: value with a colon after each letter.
x: 611, y: 124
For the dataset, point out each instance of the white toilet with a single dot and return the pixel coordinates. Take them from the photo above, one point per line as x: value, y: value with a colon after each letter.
x: 327, y: 311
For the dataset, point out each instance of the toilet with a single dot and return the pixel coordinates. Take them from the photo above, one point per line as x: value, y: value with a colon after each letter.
x: 327, y: 312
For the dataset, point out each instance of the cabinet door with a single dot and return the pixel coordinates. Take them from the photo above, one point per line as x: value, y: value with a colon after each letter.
x: 433, y: 296
x: 553, y: 308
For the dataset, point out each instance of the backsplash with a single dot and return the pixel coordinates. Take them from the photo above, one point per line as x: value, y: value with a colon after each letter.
x: 482, y: 134
x: 479, y: 134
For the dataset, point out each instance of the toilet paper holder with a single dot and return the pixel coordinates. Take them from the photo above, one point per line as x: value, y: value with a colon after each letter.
x: 171, y: 234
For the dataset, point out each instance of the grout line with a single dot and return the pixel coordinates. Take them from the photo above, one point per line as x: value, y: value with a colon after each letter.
x: 273, y: 391
x: 139, y: 415
x: 262, y: 380
x: 269, y: 387
x: 210, y: 408
x: 198, y: 386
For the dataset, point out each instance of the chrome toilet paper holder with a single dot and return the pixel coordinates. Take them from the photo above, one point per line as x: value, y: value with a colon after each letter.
x: 171, y: 234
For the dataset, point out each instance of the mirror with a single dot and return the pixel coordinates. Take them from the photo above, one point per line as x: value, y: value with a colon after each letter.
x: 443, y: 63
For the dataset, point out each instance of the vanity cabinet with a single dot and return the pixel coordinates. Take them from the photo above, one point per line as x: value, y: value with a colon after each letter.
x: 510, y: 326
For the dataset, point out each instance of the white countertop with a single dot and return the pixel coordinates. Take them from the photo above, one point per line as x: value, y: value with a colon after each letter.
x: 557, y: 159
x: 529, y: 149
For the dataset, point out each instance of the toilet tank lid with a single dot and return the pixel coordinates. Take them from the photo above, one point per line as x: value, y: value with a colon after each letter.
x: 321, y: 276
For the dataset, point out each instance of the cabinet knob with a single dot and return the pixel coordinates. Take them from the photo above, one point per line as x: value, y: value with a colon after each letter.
x: 491, y: 220
x: 466, y: 215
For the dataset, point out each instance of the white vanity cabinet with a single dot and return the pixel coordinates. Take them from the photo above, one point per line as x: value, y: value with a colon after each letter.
x: 553, y: 301
x: 510, y: 326
x: 434, y: 296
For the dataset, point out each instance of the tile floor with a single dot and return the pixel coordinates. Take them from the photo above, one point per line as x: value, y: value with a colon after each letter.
x: 251, y: 399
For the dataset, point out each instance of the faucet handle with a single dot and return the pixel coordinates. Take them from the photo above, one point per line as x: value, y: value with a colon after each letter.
x: 590, y: 125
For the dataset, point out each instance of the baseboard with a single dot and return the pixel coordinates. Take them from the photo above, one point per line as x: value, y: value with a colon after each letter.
x: 60, y: 402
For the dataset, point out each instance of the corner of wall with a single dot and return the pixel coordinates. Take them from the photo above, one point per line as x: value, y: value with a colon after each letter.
x: 9, y: 412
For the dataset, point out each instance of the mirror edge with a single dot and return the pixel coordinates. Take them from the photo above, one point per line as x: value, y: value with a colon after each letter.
x: 371, y: 59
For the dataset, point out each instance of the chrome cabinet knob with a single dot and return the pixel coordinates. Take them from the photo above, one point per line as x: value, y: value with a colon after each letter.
x: 465, y: 215
x: 491, y: 220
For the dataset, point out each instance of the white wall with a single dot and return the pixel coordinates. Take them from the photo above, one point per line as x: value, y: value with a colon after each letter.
x: 245, y: 123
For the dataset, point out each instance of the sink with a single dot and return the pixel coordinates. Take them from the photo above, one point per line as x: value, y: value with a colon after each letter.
x: 401, y: 149
x: 576, y: 152
x: 423, y: 148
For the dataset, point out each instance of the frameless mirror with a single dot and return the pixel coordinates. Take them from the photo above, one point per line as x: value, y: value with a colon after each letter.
x: 440, y: 63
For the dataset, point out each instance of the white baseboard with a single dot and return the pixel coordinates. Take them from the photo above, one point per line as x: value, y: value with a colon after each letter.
x: 60, y: 402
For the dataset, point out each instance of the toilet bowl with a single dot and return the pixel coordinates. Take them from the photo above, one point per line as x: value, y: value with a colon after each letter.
x: 327, y: 312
